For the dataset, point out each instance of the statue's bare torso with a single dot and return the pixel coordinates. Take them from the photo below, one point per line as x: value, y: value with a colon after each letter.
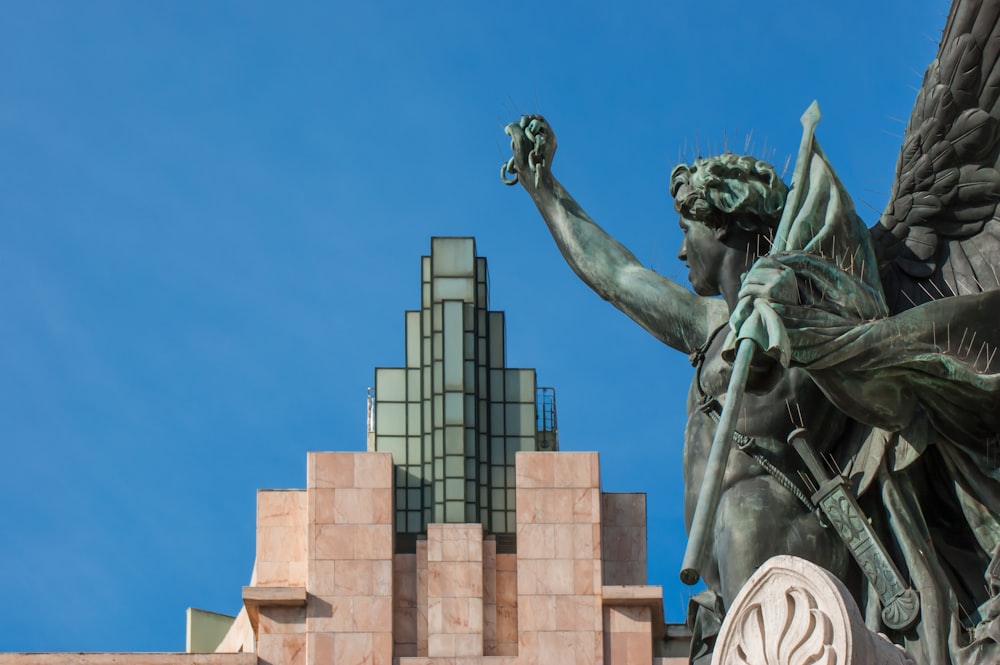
x: 759, y: 518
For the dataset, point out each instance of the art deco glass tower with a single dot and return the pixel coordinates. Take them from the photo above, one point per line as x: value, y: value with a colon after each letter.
x: 455, y: 415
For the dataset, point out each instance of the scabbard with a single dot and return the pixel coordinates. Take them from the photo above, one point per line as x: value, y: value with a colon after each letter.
x: 900, y: 603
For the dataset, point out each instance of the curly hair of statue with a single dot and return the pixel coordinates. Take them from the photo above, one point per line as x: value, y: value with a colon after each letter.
x: 729, y: 189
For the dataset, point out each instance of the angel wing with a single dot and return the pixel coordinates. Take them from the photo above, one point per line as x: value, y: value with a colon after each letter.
x: 940, y: 233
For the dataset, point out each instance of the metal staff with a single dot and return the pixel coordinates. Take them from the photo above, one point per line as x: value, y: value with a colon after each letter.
x: 722, y: 444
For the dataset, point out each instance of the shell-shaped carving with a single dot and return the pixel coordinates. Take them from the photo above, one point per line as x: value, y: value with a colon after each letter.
x: 900, y: 612
x: 792, y: 612
x: 784, y: 631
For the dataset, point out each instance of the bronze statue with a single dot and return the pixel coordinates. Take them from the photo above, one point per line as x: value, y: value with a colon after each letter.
x: 880, y: 342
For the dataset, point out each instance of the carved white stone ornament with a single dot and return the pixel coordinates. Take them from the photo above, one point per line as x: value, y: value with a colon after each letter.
x: 792, y: 612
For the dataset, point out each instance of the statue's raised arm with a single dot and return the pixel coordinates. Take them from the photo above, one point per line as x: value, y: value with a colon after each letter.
x: 671, y: 313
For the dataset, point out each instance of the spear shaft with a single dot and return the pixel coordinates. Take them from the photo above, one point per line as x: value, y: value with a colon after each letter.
x: 715, y: 467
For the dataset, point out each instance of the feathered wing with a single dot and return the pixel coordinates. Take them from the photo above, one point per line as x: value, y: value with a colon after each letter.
x: 940, y: 233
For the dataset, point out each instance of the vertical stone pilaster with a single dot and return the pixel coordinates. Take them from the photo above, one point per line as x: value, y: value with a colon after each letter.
x: 454, y: 590
x: 624, y: 533
x: 281, y: 562
x: 559, y: 614
x: 349, y: 611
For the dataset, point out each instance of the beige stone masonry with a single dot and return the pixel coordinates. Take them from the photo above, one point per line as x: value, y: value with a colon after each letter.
x: 559, y: 612
x: 623, y: 530
x: 129, y: 658
x: 349, y: 614
x: 454, y: 590
x: 281, y: 538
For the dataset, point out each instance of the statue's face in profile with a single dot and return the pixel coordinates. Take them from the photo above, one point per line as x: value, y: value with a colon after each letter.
x: 702, y: 252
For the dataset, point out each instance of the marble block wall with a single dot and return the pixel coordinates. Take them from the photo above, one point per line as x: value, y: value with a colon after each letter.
x: 330, y: 589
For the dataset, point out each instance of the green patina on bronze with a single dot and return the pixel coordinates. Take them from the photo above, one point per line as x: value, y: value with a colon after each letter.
x: 880, y: 341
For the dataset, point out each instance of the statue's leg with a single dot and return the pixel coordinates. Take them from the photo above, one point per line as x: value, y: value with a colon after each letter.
x: 758, y: 519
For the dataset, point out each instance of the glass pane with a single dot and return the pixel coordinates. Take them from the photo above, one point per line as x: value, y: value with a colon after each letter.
x: 413, y: 418
x: 496, y: 419
x: 453, y: 288
x: 392, y: 444
x: 453, y: 444
x: 496, y: 384
x: 520, y: 386
x: 453, y: 353
x: 470, y: 409
x: 520, y: 420
x: 390, y: 418
x: 496, y: 340
x: 414, y: 450
x: 453, y: 489
x: 497, y: 449
x: 453, y: 256
x: 455, y: 512
x: 453, y: 467
x: 469, y: 317
x: 413, y: 522
x: 413, y: 339
x: 390, y: 384
x: 453, y: 411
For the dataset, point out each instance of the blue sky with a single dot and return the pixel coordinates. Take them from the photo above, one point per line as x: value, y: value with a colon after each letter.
x: 211, y: 218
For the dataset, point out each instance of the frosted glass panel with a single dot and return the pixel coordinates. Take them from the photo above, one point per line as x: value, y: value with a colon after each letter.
x: 453, y: 256
x: 453, y: 341
x: 453, y: 410
x: 413, y: 339
x: 394, y: 445
x: 390, y: 419
x: 520, y: 385
x: 390, y: 384
x: 413, y: 385
x: 453, y: 288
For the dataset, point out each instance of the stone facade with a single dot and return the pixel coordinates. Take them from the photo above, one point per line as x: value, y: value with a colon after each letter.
x: 330, y: 588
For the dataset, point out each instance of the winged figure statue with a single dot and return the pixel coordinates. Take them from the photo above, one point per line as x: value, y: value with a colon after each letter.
x: 881, y: 343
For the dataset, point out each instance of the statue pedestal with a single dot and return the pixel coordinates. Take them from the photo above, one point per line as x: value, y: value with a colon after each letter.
x: 792, y: 611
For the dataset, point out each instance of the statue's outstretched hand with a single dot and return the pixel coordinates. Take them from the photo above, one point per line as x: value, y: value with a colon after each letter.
x: 534, y: 146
